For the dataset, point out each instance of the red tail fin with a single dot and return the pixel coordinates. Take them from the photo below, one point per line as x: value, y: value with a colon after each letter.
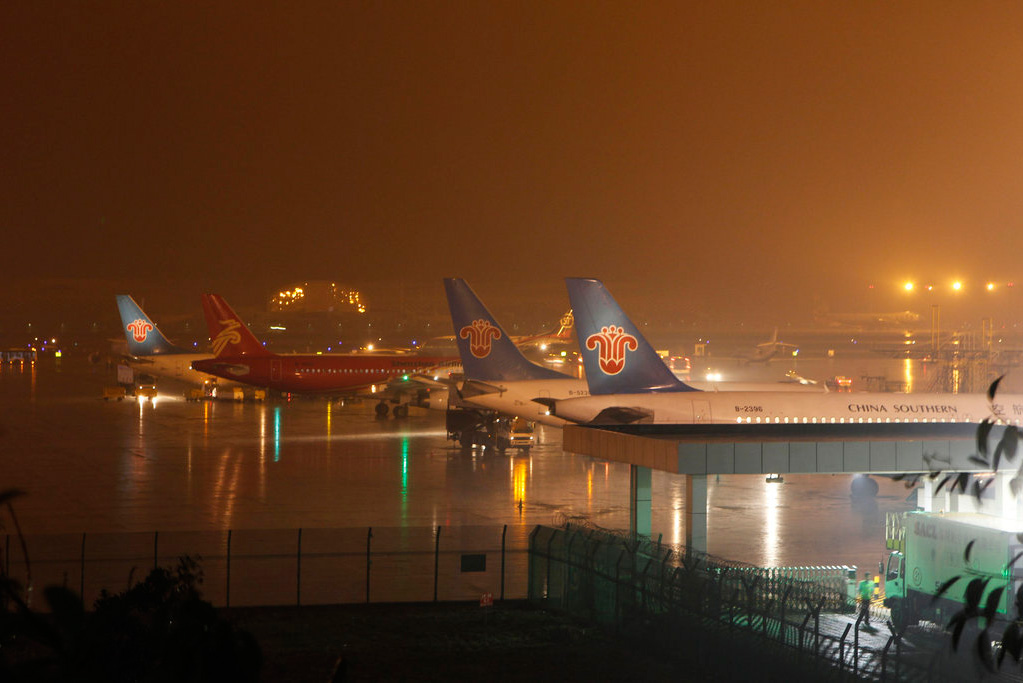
x: 229, y: 335
x: 567, y: 323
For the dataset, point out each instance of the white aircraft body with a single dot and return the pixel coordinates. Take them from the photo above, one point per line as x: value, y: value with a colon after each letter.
x: 764, y: 407
x: 628, y: 383
x: 530, y: 399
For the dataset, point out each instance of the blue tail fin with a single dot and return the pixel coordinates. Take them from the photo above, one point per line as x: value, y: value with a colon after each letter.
x: 488, y: 353
x: 618, y: 360
x: 144, y: 337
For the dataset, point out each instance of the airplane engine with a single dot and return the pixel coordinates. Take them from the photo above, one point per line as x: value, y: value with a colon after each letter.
x: 438, y: 399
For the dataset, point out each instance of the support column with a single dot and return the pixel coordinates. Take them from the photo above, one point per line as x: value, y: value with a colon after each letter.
x: 696, y: 511
x: 925, y: 495
x: 640, y: 500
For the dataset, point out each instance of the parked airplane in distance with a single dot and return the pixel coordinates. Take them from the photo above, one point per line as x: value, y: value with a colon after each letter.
x: 499, y: 377
x: 150, y: 352
x: 240, y: 357
x: 765, y: 351
x: 629, y: 384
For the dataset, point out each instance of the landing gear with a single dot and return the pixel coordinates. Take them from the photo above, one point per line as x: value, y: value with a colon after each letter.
x: 400, y: 410
x: 382, y: 409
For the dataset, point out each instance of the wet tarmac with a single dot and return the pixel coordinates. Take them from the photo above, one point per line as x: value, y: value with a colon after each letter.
x: 89, y: 465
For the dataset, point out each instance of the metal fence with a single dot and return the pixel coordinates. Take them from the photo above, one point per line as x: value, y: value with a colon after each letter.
x: 261, y: 567
x: 804, y: 616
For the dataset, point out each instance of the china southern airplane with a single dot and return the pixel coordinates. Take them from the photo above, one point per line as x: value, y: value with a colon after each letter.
x: 498, y: 377
x: 240, y: 357
x: 150, y: 352
x: 629, y: 383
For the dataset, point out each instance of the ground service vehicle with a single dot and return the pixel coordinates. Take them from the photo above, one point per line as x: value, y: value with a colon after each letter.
x: 146, y: 392
x: 521, y: 434
x: 928, y: 549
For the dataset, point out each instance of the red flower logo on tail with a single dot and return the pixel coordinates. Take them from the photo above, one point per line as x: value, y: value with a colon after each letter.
x: 480, y: 333
x: 139, y: 329
x: 611, y: 344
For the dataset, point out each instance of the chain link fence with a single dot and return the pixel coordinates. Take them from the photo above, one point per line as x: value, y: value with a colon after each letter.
x: 263, y: 567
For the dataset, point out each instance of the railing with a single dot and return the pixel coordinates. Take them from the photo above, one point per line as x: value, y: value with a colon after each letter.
x: 804, y: 616
x: 258, y: 567
x: 895, y: 531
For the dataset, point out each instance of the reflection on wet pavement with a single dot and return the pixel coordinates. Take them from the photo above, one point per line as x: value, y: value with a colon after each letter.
x: 96, y: 466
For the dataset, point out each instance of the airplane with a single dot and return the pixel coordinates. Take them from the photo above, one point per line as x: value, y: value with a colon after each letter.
x: 149, y: 350
x: 629, y: 384
x: 240, y: 357
x: 539, y: 342
x: 545, y: 340
x: 499, y: 377
x: 765, y: 351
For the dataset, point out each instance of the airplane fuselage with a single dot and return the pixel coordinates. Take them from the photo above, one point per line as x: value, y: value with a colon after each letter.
x: 794, y: 407
x: 518, y: 398
x: 172, y: 365
x: 317, y: 373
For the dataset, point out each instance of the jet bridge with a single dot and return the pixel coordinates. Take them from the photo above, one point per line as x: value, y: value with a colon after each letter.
x: 696, y: 451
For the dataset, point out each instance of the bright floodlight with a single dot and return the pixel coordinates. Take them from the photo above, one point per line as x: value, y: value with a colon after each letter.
x: 957, y: 285
x: 908, y: 286
x: 991, y: 286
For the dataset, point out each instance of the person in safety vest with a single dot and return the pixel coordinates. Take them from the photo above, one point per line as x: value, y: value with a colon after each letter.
x: 865, y: 593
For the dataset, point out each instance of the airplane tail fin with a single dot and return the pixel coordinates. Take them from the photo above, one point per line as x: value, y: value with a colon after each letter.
x: 617, y: 358
x: 144, y: 337
x: 566, y: 324
x: 488, y: 353
x: 228, y: 334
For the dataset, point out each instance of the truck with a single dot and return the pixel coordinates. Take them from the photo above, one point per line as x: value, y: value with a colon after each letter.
x: 929, y: 549
x: 521, y: 434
